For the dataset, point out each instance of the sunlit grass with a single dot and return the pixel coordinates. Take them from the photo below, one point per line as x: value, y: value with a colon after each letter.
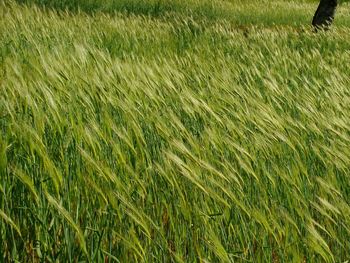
x: 137, y: 138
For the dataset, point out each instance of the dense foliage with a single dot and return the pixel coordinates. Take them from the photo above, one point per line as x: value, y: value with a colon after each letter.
x: 188, y: 135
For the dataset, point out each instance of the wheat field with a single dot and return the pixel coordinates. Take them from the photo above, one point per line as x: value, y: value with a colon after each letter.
x: 173, y: 131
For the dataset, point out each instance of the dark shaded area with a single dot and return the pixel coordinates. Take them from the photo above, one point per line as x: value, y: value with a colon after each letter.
x: 152, y: 8
x: 324, y: 15
x: 164, y: 9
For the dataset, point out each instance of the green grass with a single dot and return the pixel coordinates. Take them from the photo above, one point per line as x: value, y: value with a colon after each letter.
x: 172, y: 131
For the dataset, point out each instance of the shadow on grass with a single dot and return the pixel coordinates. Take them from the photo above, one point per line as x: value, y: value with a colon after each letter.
x: 239, y: 13
x: 152, y: 8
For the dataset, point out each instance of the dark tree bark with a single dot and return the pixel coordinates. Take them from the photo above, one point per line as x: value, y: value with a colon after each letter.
x: 325, y: 14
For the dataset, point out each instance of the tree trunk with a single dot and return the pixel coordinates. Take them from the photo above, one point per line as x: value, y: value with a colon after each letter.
x: 324, y: 15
